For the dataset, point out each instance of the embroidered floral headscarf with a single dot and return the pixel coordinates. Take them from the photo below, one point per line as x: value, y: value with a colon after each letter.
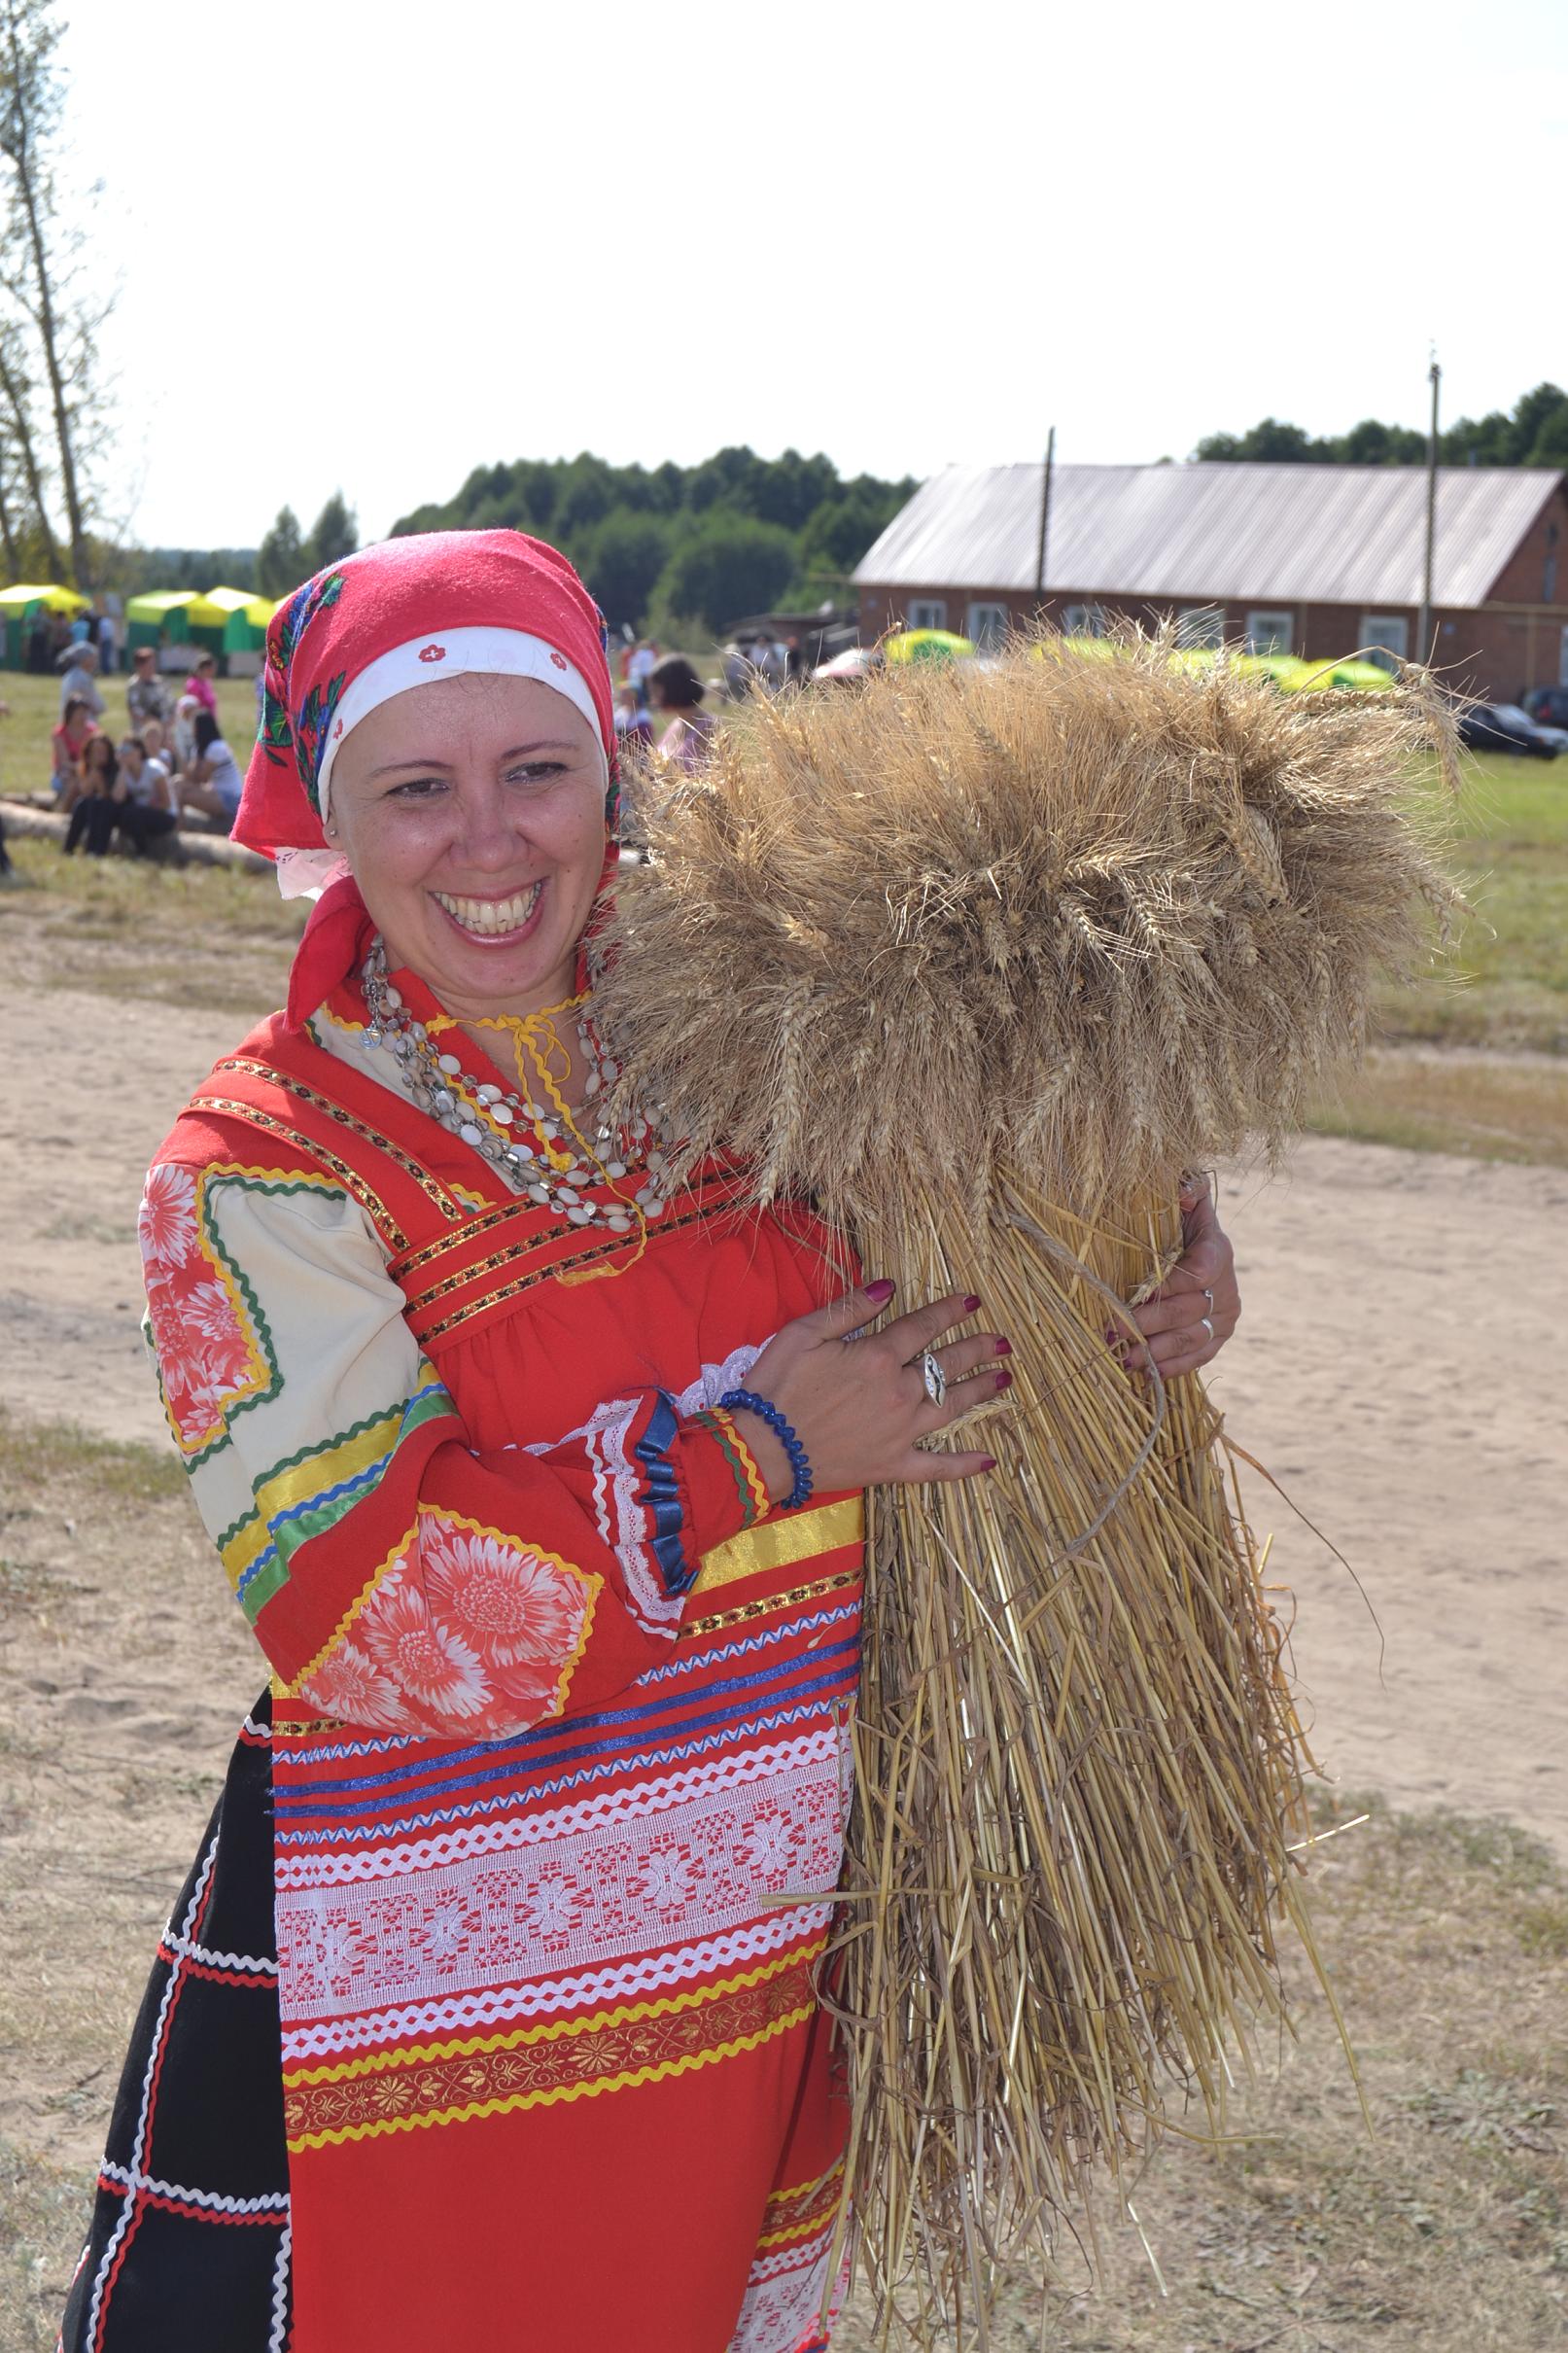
x: 395, y: 617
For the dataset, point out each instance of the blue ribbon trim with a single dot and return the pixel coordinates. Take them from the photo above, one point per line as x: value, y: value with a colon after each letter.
x: 660, y: 1496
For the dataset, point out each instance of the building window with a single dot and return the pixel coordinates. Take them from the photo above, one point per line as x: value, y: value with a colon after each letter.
x: 988, y: 624
x: 1200, y: 625
x: 927, y: 613
x: 1386, y: 638
x: 1084, y: 621
x: 1270, y: 632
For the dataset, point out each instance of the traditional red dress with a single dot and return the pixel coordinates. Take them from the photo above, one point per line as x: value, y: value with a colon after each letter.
x: 559, y: 1722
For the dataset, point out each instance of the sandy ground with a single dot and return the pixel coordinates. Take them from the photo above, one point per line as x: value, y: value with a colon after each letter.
x: 1396, y: 1370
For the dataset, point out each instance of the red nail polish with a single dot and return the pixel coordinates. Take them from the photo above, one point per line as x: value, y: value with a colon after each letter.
x: 881, y: 1289
x: 971, y: 1303
x: 1004, y: 1380
x: 1003, y: 1348
x: 987, y: 1461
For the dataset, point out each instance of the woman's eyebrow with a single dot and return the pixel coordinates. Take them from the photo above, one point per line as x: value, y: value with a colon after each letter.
x: 549, y: 742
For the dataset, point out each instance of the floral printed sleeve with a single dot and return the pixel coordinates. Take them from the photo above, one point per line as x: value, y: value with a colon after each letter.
x: 397, y: 1577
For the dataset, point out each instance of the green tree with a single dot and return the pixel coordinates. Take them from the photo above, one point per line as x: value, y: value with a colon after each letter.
x: 281, y: 562
x: 335, y: 534
x: 624, y: 559
x: 731, y: 566
x: 40, y: 270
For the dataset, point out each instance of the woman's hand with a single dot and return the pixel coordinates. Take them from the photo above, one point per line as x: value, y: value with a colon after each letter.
x: 1189, y: 1318
x: 858, y: 1405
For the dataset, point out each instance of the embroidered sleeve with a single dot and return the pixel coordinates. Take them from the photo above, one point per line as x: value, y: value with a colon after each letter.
x: 396, y: 1576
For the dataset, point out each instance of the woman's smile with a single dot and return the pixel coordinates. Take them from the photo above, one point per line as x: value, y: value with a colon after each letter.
x: 500, y: 921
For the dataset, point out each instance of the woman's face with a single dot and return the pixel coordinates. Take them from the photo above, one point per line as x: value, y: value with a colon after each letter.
x: 472, y: 814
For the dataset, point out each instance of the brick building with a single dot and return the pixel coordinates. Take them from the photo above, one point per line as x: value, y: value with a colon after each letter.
x: 1317, y: 561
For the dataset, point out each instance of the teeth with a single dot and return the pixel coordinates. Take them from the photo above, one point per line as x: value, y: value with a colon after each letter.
x: 487, y: 917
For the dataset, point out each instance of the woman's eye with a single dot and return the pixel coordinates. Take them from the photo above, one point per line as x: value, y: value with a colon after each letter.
x: 534, y: 772
x: 417, y: 787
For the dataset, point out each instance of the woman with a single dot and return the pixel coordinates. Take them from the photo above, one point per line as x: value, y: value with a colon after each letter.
x: 539, y: 1483
x: 144, y: 807
x: 67, y: 743
x: 674, y: 687
x: 93, y: 807
x: 212, y: 782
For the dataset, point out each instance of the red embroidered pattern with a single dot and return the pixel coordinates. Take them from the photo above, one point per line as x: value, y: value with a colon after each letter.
x: 467, y: 1628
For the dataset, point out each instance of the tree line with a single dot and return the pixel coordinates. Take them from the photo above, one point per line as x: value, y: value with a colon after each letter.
x: 666, y: 547
x: 1533, y: 433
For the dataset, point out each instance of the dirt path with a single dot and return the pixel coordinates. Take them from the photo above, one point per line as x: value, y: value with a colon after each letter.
x: 1396, y: 1370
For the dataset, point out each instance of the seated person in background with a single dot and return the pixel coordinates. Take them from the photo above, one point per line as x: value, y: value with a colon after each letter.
x: 94, y: 810
x: 67, y: 743
x: 145, y: 805
x: 146, y: 695
x: 202, y: 683
x: 183, y: 734
x: 212, y: 782
x: 155, y: 743
x: 81, y: 682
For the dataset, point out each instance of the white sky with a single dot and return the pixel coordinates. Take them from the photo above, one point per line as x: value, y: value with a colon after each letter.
x: 370, y: 245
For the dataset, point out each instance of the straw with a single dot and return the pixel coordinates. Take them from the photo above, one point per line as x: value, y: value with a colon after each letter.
x: 980, y: 961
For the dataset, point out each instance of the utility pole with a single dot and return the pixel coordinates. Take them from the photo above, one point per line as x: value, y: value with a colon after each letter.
x: 1045, y: 521
x: 1424, y: 646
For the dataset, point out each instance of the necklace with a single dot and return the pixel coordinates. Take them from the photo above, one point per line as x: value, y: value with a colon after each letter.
x: 562, y: 1168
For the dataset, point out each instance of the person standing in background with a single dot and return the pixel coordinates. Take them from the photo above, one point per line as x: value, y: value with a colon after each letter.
x: 674, y: 687
x: 81, y: 681
x: 105, y: 628
x: 146, y: 695
x: 201, y: 683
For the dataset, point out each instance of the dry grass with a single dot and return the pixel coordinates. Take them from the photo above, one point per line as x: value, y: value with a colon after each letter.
x: 1010, y: 949
x: 125, y: 928
x: 1477, y: 1104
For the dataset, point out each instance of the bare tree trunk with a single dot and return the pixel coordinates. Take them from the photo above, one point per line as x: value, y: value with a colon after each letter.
x: 22, y: 163
x: 16, y: 401
x: 7, y: 535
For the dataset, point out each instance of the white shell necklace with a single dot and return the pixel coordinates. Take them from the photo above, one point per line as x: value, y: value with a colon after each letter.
x: 562, y: 1166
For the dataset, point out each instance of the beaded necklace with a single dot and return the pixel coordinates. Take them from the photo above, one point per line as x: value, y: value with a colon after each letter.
x: 555, y: 1164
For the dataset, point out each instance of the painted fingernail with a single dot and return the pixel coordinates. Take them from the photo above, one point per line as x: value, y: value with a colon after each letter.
x: 987, y: 1461
x: 1003, y: 1348
x: 881, y: 1289
x: 1004, y: 1380
x: 971, y: 1303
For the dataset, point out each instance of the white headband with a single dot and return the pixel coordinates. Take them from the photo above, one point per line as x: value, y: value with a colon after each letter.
x: 453, y: 653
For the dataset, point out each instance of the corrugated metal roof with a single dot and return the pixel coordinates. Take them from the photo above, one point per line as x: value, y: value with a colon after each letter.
x: 1329, y: 534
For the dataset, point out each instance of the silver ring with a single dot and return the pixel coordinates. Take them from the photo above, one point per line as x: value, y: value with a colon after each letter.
x: 1207, y: 1326
x: 1208, y: 1298
x: 934, y: 1378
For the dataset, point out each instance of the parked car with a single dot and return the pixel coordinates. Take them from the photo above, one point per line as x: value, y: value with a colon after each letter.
x: 1506, y: 727
x: 1547, y: 706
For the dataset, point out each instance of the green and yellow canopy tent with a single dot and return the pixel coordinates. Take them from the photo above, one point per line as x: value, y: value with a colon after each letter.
x: 19, y: 608
x: 927, y: 645
x: 224, y: 621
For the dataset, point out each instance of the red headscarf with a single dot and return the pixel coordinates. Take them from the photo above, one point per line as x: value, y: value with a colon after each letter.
x: 388, y: 618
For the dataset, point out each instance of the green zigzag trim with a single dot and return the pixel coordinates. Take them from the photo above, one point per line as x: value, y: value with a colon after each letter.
x: 258, y: 1322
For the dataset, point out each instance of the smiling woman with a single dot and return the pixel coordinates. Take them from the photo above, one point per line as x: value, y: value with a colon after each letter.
x: 491, y: 2007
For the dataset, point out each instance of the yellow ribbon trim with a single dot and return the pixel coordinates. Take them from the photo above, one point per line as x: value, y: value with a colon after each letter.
x: 781, y: 1543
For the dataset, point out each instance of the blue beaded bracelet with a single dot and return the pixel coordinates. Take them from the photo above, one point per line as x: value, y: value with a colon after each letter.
x: 750, y: 1402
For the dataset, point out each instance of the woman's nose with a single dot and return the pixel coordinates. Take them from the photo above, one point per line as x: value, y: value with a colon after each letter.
x: 487, y: 836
